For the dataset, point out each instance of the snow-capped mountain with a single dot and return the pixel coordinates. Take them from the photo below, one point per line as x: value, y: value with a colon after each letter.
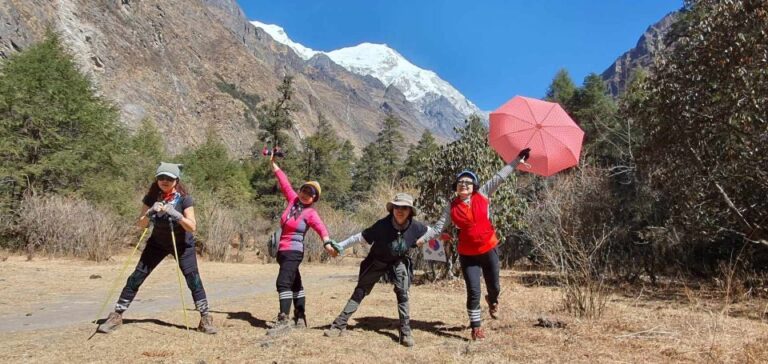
x: 420, y: 86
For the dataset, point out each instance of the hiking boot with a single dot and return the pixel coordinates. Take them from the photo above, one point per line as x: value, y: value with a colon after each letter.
x: 334, y: 331
x: 493, y: 309
x: 478, y: 333
x: 282, y: 326
x: 406, y: 339
x: 111, y: 323
x: 300, y: 322
x: 206, y: 325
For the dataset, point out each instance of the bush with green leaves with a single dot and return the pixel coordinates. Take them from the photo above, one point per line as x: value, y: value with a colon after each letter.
x: 705, y: 133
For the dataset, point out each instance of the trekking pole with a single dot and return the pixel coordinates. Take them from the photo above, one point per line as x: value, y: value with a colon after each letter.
x: 178, y: 274
x: 122, y: 271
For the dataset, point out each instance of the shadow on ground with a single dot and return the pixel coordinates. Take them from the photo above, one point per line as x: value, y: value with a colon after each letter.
x: 245, y: 316
x: 379, y: 324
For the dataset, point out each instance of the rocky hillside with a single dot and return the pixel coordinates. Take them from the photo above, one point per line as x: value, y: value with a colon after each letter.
x: 649, y: 44
x: 196, y: 66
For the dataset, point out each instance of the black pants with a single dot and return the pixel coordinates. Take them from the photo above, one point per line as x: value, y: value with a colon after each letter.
x: 472, y: 266
x: 152, y: 255
x: 371, y: 270
x: 289, y: 286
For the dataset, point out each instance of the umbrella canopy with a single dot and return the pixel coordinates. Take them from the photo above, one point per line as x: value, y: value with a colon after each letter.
x: 523, y: 122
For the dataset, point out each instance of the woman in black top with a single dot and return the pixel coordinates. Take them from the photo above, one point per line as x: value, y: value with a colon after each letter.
x: 391, y: 237
x: 168, y: 206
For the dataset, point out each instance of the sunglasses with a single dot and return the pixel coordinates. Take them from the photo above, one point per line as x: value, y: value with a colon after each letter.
x: 307, y: 191
x: 464, y: 183
x: 396, y: 207
x: 166, y: 178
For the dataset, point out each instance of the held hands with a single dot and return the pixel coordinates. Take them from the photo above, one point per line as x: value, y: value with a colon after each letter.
x: 332, y: 247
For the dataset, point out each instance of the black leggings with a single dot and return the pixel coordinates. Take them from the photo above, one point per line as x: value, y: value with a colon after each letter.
x: 152, y: 255
x: 471, y: 268
x: 289, y: 286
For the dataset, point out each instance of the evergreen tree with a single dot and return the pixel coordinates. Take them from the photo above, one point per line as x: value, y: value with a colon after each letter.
x: 418, y: 156
x: 380, y: 160
x: 562, y: 89
x: 209, y: 168
x: 275, y: 117
x: 56, y: 134
x: 324, y: 160
x: 150, y: 151
x: 595, y: 111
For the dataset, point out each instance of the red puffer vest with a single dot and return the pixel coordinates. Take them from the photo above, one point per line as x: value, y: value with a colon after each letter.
x: 476, y: 234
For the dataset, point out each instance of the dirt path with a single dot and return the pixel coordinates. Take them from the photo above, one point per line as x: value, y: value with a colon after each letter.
x: 45, y: 294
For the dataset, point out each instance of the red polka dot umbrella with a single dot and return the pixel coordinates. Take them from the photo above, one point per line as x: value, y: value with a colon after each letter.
x: 523, y: 122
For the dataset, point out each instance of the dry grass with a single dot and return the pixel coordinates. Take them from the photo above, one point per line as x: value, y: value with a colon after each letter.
x: 653, y: 326
x: 60, y: 226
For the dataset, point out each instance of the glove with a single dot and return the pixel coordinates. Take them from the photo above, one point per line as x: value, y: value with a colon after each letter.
x: 174, y: 214
x: 524, y: 154
x: 154, y: 210
x: 333, y: 245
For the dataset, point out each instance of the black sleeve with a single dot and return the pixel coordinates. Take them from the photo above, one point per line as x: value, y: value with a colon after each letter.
x: 371, y: 233
x: 186, y: 202
x: 148, y: 201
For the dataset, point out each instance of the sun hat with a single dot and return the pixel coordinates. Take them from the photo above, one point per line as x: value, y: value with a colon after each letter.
x: 314, y: 185
x: 402, y: 199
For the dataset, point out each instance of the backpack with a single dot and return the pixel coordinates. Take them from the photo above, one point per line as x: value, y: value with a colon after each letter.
x: 274, y: 242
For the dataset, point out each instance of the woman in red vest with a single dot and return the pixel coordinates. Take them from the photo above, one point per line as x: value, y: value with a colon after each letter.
x: 469, y: 212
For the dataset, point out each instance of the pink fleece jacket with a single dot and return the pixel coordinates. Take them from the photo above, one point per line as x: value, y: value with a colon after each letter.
x: 296, y: 226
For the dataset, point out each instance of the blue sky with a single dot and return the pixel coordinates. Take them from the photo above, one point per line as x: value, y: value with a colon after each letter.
x: 490, y: 50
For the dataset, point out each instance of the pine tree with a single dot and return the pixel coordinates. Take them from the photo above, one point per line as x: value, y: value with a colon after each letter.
x: 275, y: 117
x: 148, y: 145
x: 209, y: 168
x: 418, y: 156
x: 381, y: 158
x: 327, y: 159
x: 562, y: 89
x: 56, y: 134
x: 595, y: 112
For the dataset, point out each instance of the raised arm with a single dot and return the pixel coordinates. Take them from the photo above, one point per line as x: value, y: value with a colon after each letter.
x: 285, y: 184
x: 494, y: 182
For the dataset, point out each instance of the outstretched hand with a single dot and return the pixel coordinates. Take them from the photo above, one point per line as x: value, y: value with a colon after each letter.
x: 524, y: 154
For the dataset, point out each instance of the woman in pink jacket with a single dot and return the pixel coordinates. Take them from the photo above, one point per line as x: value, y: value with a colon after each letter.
x: 297, y: 218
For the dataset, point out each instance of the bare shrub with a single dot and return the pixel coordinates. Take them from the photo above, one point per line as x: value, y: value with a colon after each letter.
x: 225, y: 233
x: 61, y: 226
x: 571, y: 226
